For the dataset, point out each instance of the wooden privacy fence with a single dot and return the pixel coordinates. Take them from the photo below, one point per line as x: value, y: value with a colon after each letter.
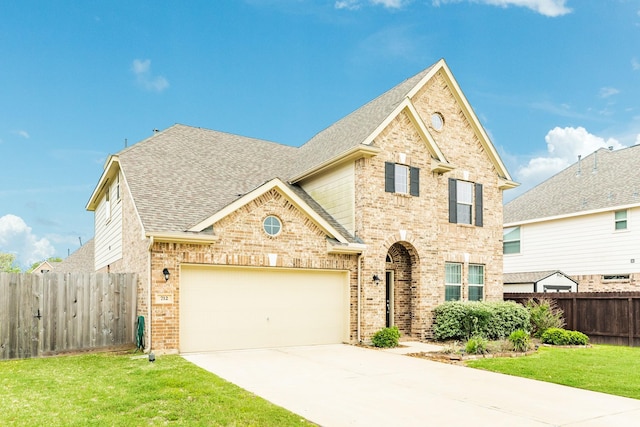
x: 56, y: 312
x: 606, y: 317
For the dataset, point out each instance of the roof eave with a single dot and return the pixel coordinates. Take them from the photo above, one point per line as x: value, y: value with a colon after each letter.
x: 355, y: 153
x: 112, y: 164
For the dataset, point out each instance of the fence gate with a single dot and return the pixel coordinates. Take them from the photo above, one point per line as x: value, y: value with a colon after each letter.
x: 57, y: 312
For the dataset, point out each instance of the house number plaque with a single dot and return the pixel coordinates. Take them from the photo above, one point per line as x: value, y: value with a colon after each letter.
x: 164, y: 299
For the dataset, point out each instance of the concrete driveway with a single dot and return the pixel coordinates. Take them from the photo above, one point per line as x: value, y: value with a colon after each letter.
x: 342, y: 385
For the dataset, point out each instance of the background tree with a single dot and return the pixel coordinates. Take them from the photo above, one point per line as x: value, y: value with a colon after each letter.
x: 7, y: 263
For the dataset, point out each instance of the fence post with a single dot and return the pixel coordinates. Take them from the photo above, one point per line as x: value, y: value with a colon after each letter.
x: 631, y: 321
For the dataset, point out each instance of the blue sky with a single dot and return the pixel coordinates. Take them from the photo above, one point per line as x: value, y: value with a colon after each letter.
x: 549, y: 79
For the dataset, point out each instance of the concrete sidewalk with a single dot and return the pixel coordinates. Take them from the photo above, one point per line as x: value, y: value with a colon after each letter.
x: 342, y: 385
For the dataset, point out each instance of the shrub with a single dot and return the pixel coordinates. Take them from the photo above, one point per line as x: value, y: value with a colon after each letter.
x: 476, y: 345
x: 386, y: 337
x: 558, y: 336
x: 578, y: 338
x: 492, y: 320
x: 555, y: 336
x: 544, y: 314
x: 521, y: 340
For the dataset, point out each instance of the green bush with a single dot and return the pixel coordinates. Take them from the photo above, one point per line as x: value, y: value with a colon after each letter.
x: 386, y: 337
x: 492, y: 320
x: 521, y: 340
x: 559, y: 336
x: 476, y: 345
x: 544, y: 314
x: 578, y: 338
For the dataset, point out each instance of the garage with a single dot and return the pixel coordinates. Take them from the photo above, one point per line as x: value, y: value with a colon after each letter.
x: 228, y: 307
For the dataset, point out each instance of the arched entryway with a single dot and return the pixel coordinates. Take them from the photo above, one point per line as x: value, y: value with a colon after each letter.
x: 401, y: 286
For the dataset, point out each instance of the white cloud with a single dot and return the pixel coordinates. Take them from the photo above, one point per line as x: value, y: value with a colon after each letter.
x: 348, y: 4
x: 606, y: 92
x: 356, y: 4
x: 142, y: 70
x: 17, y: 237
x: 390, y: 4
x: 22, y: 133
x: 564, y: 145
x: 550, y: 8
x: 635, y: 64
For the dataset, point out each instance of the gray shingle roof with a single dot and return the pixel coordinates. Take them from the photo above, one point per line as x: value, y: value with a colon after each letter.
x: 603, y: 179
x: 528, y: 277
x: 183, y: 175
x: 81, y: 261
x: 354, y: 128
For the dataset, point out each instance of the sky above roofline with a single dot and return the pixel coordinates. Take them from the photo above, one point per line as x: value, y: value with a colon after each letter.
x: 548, y: 79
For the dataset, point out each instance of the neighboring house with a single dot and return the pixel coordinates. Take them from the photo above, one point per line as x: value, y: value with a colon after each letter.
x: 45, y: 267
x: 80, y: 261
x: 539, y: 281
x: 244, y: 243
x: 584, y: 221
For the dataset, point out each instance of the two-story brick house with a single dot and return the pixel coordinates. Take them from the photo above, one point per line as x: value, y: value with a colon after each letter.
x: 244, y: 243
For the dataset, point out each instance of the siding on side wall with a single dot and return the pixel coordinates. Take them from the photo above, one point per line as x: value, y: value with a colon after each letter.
x: 108, y: 238
x: 580, y: 245
x: 334, y: 191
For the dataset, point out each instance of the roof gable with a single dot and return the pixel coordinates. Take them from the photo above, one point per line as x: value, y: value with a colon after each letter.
x: 361, y: 127
x: 293, y: 196
x: 602, y: 181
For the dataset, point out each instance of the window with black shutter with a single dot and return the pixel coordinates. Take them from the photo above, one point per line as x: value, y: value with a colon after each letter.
x: 401, y: 179
x: 465, y: 202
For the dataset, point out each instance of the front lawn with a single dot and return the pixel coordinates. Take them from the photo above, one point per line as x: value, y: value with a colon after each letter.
x: 603, y: 368
x: 121, y: 390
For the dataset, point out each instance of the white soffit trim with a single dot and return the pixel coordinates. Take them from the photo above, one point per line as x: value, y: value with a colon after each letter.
x: 570, y: 215
x: 349, y: 155
x: 413, y: 115
x: 254, y: 194
x: 112, y: 164
x: 441, y: 65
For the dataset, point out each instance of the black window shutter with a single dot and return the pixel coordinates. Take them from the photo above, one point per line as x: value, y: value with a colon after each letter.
x: 389, y: 177
x: 414, y: 181
x: 478, y: 205
x: 453, y: 202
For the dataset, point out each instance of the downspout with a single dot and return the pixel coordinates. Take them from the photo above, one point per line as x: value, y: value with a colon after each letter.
x: 149, y: 289
x: 359, y: 292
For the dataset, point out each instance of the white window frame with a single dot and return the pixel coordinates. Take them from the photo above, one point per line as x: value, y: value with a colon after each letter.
x: 505, y: 240
x: 449, y: 284
x: 624, y: 220
x: 473, y: 283
x: 107, y: 205
x: 464, y: 199
x: 401, y: 179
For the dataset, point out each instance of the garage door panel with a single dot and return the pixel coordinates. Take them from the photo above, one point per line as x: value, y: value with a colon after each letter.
x: 230, y: 308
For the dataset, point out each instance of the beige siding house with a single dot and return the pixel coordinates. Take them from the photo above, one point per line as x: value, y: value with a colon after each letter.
x: 245, y: 243
x: 584, y: 221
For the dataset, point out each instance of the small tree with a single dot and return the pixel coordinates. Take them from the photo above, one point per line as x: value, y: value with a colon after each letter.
x: 7, y: 263
x: 544, y: 314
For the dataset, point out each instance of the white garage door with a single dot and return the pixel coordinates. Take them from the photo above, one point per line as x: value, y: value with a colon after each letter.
x: 224, y: 308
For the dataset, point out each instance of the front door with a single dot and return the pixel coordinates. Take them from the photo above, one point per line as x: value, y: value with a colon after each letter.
x: 388, y: 280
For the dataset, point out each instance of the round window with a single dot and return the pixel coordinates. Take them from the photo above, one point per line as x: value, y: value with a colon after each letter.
x: 437, y: 121
x: 272, y: 225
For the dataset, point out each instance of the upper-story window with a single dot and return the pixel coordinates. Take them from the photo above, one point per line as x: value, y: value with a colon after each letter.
x: 118, y: 188
x: 272, y: 225
x: 107, y: 205
x: 401, y: 179
x: 511, y: 240
x: 465, y: 202
x: 621, y: 220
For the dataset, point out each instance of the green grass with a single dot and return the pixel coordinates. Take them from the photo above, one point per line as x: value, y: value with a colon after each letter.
x: 120, y: 390
x: 603, y: 368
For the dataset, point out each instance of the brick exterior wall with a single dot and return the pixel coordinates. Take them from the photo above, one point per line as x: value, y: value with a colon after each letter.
x: 597, y: 283
x: 413, y: 231
x: 416, y: 230
x: 240, y: 240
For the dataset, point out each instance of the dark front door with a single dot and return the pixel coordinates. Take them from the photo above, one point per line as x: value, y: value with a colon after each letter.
x: 388, y: 281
